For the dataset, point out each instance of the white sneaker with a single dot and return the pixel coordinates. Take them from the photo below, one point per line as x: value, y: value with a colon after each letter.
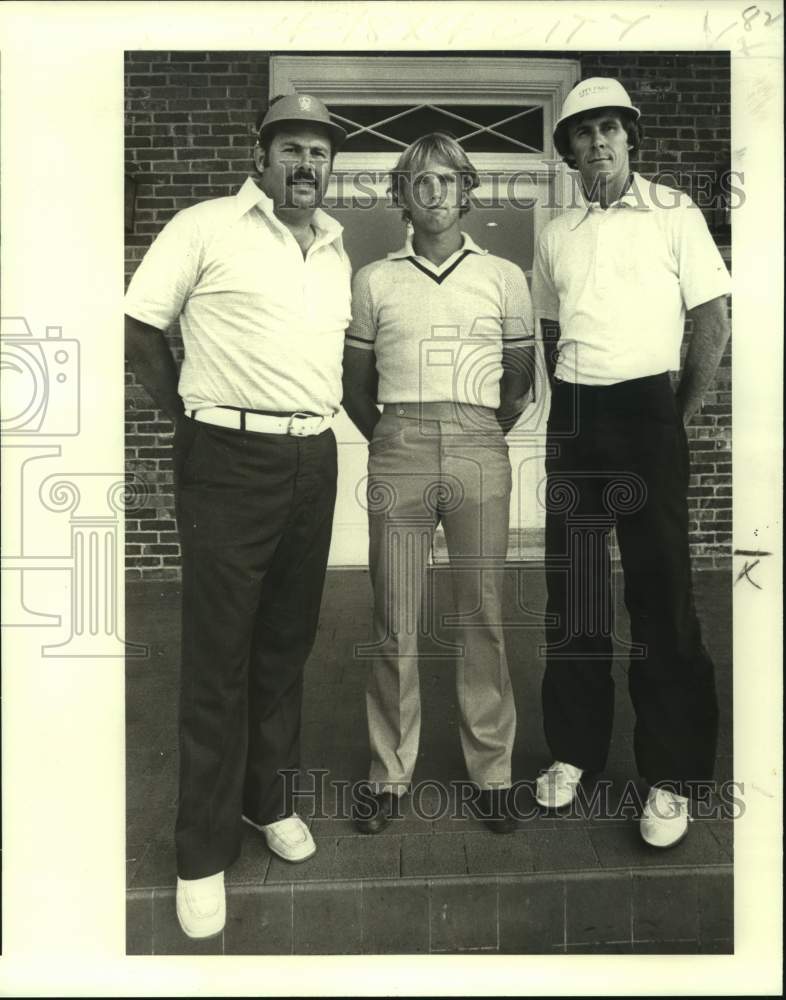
x: 289, y: 838
x: 556, y: 787
x: 664, y: 820
x: 201, y: 905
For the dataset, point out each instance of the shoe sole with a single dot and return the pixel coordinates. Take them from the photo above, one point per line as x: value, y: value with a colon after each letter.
x: 370, y: 833
x: 556, y: 809
x: 498, y: 831
x: 666, y: 847
x: 559, y: 808
x: 278, y: 854
x: 200, y: 937
x: 292, y: 861
x: 586, y: 777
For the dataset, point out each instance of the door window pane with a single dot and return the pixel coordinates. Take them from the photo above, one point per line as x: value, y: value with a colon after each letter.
x: 375, y: 128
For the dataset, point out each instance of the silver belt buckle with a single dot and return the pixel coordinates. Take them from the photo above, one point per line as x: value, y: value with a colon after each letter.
x: 292, y: 427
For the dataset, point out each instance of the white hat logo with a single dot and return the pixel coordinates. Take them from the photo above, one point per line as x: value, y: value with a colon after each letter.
x: 597, y: 92
x: 304, y: 103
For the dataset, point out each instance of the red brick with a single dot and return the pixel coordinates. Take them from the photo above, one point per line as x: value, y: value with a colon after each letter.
x: 170, y: 117
x: 179, y: 57
x: 137, y: 536
x: 209, y: 116
x: 190, y: 79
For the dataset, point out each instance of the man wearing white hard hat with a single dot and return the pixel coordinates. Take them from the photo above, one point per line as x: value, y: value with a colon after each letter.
x: 613, y: 281
x: 260, y: 284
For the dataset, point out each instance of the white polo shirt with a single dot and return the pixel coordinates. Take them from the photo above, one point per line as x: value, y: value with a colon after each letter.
x: 263, y: 328
x: 620, y: 280
x: 438, y: 332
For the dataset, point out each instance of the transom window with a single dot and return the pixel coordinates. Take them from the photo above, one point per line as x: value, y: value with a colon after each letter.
x: 489, y: 128
x: 501, y: 109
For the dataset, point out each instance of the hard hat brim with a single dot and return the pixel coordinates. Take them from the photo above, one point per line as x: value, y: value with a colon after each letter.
x: 628, y: 108
x: 336, y: 132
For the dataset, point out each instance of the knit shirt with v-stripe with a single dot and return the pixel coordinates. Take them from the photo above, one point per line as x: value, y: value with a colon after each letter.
x: 438, y: 332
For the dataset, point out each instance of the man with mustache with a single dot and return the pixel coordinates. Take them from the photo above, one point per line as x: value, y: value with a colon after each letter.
x: 613, y: 280
x: 261, y: 285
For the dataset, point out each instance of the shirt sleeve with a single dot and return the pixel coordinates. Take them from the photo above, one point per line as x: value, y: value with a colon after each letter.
x: 517, y: 327
x: 362, y: 330
x: 544, y: 294
x: 167, y: 275
x: 702, y: 272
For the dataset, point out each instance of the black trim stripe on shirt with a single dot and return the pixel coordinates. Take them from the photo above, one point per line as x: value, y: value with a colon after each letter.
x: 360, y: 340
x: 439, y: 278
x: 518, y: 340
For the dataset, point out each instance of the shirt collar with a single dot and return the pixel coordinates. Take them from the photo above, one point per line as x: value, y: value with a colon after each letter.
x: 252, y: 196
x: 636, y: 196
x: 468, y: 245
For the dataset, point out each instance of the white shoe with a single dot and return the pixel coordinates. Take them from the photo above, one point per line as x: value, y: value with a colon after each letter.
x: 289, y: 838
x: 201, y: 905
x: 556, y: 787
x: 664, y: 820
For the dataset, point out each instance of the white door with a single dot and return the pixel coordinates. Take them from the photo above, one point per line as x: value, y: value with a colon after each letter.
x: 502, y: 111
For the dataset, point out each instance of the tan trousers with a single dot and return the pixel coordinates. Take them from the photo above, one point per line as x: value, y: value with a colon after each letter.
x: 428, y: 463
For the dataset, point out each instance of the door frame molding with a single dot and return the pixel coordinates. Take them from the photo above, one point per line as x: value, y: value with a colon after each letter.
x: 481, y: 80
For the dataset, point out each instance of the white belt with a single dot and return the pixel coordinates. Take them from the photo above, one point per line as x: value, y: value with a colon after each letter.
x: 298, y: 424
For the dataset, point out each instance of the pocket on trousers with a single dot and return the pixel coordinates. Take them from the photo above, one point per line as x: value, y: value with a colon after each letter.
x: 183, y: 442
x: 498, y: 471
x: 388, y: 432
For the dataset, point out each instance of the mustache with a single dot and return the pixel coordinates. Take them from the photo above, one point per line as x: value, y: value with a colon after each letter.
x: 303, y: 174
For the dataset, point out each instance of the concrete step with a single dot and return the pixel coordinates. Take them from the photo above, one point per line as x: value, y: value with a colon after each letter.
x: 665, y: 909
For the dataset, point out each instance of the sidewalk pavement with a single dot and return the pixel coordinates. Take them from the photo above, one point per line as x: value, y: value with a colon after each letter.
x: 432, y: 882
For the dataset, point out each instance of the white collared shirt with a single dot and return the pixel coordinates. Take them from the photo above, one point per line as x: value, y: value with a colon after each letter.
x: 619, y: 282
x: 438, y: 332
x: 263, y: 328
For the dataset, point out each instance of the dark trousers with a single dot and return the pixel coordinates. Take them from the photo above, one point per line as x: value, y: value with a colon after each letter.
x: 618, y: 456
x: 254, y: 513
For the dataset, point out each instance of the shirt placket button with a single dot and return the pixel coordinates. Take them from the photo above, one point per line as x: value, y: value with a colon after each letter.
x: 600, y: 257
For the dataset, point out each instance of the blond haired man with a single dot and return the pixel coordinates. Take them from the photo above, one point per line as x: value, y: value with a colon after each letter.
x: 442, y: 336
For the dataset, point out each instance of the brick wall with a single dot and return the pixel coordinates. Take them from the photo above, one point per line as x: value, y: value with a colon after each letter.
x: 189, y: 134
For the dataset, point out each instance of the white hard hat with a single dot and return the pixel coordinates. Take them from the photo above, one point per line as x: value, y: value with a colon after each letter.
x: 595, y: 92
